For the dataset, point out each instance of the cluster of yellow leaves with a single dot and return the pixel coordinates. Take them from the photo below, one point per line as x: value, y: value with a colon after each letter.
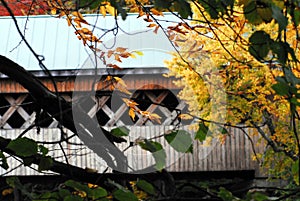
x: 133, y: 109
x: 223, y: 45
x: 107, y: 8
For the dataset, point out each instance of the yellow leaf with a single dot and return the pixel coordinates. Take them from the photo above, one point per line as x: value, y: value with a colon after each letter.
x: 53, y: 11
x: 131, y: 113
x: 102, y: 11
x: 120, y: 81
x: 133, y: 56
x: 153, y: 115
x: 111, y: 10
x: 185, y: 116
x: 7, y: 191
x: 139, y: 53
x: 129, y: 103
x: 92, y: 185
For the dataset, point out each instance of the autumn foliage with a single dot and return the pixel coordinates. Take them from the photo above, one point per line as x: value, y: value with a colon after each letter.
x: 24, y: 7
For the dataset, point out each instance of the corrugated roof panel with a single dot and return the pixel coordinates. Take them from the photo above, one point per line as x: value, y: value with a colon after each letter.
x: 61, y: 49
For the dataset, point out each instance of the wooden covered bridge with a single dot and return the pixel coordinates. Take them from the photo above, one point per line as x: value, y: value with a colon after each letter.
x: 67, y: 59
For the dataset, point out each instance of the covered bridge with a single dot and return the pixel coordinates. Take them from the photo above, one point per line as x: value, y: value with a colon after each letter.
x: 73, y: 64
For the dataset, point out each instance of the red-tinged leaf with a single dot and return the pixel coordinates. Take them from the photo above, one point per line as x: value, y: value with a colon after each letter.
x: 102, y: 55
x: 114, y: 66
x: 125, y: 55
x: 171, y: 37
x: 148, y: 19
x: 156, y: 29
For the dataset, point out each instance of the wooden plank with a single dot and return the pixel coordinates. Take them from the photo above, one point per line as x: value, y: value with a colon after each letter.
x: 15, y: 104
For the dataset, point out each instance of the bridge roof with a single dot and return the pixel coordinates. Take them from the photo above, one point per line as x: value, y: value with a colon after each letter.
x: 52, y: 38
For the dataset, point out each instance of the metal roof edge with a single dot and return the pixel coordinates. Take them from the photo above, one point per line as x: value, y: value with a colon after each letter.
x: 84, y: 15
x: 101, y: 71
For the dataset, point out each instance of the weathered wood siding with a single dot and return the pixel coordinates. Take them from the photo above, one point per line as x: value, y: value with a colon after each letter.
x: 235, y: 154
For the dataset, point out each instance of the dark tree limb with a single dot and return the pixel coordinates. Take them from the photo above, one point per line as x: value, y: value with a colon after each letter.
x: 47, y: 100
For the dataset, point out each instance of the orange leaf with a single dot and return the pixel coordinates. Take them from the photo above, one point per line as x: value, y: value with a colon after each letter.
x: 131, y: 113
x: 121, y: 49
x: 114, y: 66
x: 156, y: 12
x: 125, y: 55
x: 109, y: 53
x: 69, y: 20
x: 148, y: 19
x: 117, y: 58
x: 151, y: 25
x: 86, y: 31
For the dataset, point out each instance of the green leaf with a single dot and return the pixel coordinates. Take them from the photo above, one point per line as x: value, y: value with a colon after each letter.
x: 257, y: 196
x: 202, y: 132
x: 157, y: 151
x: 43, y: 196
x: 279, y: 17
x: 23, y: 147
x: 259, y: 44
x: 280, y: 49
x: 28, y: 161
x: 115, y: 184
x: 225, y: 194
x: 297, y: 16
x: 45, y: 163
x: 146, y: 186
x: 281, y: 88
x: 88, y: 4
x: 251, y: 14
x: 64, y: 193
x: 44, y: 150
x: 183, y: 8
x: 77, y: 186
x: 211, y: 8
x: 97, y: 193
x: 163, y: 3
x: 151, y: 146
x: 119, y: 8
x: 124, y: 195
x: 3, y: 161
x: 160, y: 159
x: 13, y: 181
x: 120, y: 131
x: 180, y: 140
x: 73, y: 198
x: 290, y: 76
x: 295, y: 171
x: 224, y: 131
